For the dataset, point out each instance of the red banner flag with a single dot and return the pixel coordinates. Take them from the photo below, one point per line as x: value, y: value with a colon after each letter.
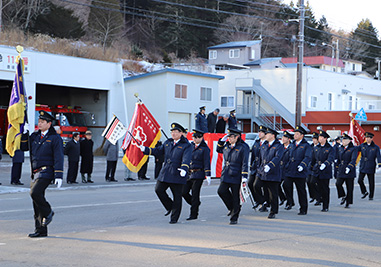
x: 146, y: 131
x: 357, y: 133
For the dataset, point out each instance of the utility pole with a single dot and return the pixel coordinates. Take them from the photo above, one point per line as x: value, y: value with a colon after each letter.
x: 299, y: 70
x: 378, y: 60
x: 337, y: 55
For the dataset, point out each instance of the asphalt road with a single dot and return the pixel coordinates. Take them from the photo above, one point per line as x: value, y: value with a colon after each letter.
x: 123, y: 224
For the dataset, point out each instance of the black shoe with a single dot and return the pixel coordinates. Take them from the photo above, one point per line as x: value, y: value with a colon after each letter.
x: 263, y: 208
x: 317, y: 203
x: 281, y: 202
x: 168, y: 212
x: 346, y: 206
x: 271, y: 216
x: 129, y: 179
x: 288, y: 207
x: 343, y: 199
x: 302, y: 213
x: 48, y: 219
x: 113, y: 180
x: 17, y: 183
x: 365, y: 195
x: 191, y: 218
x: 324, y: 210
x: 172, y: 222
x: 229, y: 213
x: 143, y: 178
x: 312, y: 200
x: 74, y: 182
x: 68, y: 182
x: 370, y: 198
x: 36, y: 234
x: 90, y: 181
x: 233, y: 222
x: 84, y: 181
x: 256, y: 205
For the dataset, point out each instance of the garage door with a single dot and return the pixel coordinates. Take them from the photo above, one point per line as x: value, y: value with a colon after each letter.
x: 182, y: 118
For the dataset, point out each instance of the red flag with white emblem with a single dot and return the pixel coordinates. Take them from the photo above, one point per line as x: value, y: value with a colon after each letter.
x: 146, y: 131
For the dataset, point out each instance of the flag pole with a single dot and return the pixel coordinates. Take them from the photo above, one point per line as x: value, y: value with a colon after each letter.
x: 134, y: 138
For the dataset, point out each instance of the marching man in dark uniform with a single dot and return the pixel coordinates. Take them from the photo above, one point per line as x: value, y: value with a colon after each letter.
x: 346, y: 159
x: 177, y: 157
x: 232, y: 120
x: 199, y: 168
x: 336, y: 147
x: 297, y: 169
x: 73, y: 151
x: 311, y: 179
x: 323, y: 156
x: 255, y: 183
x: 236, y: 157
x: 269, y: 169
x: 47, y: 165
x: 369, y: 153
x: 286, y: 142
x: 201, y: 121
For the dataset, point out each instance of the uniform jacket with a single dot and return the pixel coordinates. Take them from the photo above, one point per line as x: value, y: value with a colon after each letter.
x: 221, y: 126
x: 72, y: 150
x: 175, y: 157
x: 46, y: 152
x: 346, y: 157
x: 271, y: 156
x: 369, y: 154
x: 336, y: 148
x: 310, y: 172
x: 201, y: 122
x: 254, y: 161
x: 212, y: 121
x: 284, y: 160
x: 111, y: 151
x: 322, y: 154
x: 18, y: 157
x: 232, y: 122
x: 299, y: 156
x: 200, y: 161
x: 87, y: 156
x: 236, y: 161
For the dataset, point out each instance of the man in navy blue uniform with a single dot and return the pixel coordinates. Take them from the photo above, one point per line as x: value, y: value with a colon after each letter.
x: 255, y: 183
x: 73, y: 151
x: 286, y: 142
x: 232, y: 122
x: 17, y: 161
x: 236, y: 158
x: 311, y: 180
x: 269, y: 169
x: 370, y: 152
x: 296, y: 169
x: 201, y: 121
x: 336, y: 147
x: 177, y: 153
x: 323, y: 156
x: 346, y: 172
x: 47, y: 164
x: 199, y: 168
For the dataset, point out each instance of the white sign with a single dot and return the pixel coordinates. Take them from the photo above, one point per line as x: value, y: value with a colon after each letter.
x: 8, y: 62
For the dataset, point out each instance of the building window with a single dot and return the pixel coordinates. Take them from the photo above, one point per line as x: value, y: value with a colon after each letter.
x: 350, y: 102
x: 353, y: 67
x: 330, y: 101
x: 227, y: 101
x: 181, y: 91
x: 213, y: 54
x: 252, y: 53
x: 234, y: 53
x: 313, y: 101
x: 371, y: 106
x: 206, y: 94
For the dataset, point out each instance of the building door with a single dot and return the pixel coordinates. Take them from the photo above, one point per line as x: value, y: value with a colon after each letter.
x: 182, y: 118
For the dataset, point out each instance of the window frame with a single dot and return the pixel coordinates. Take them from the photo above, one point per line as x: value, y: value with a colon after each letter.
x: 181, y: 91
x: 227, y: 102
x: 211, y: 93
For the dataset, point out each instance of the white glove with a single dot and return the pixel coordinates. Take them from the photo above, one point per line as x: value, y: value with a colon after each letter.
x: 378, y: 169
x: 300, y: 168
x: 208, y: 179
x: 58, y: 182
x: 26, y: 127
x: 182, y: 172
x: 347, y: 170
x: 322, y: 167
x: 223, y: 139
x: 267, y: 168
x: 142, y: 148
x: 244, y: 180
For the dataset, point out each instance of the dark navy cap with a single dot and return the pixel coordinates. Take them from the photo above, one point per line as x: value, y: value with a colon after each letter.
x: 262, y: 129
x: 202, y: 108
x: 368, y: 134
x: 45, y: 116
x: 345, y: 136
x: 177, y: 126
x: 272, y: 132
x: 288, y: 135
x: 300, y: 129
x: 232, y: 111
x: 234, y: 131
x: 198, y: 133
x: 324, y: 134
x: 315, y: 135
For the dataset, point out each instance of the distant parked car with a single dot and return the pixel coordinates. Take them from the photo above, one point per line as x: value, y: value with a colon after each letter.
x: 250, y: 139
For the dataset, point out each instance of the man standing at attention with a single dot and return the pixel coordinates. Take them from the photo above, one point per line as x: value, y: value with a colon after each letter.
x: 201, y: 121
x: 72, y: 150
x: 87, y: 157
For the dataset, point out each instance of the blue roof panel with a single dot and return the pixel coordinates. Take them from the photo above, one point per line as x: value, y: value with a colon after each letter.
x: 236, y: 44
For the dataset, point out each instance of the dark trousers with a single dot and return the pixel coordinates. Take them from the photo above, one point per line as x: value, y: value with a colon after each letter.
x: 41, y: 207
x: 229, y: 193
x: 313, y: 187
x: 282, y: 195
x: 16, y: 172
x: 169, y: 204
x: 349, y: 183
x: 194, y: 198
x: 272, y: 190
x: 260, y: 194
x: 72, y: 171
x: 143, y: 170
x: 300, y: 184
x: 110, y: 170
x: 323, y: 185
x: 371, y: 183
x: 158, y: 166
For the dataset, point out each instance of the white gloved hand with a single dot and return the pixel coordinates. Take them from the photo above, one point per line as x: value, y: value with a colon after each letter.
x: 142, y: 148
x: 267, y: 168
x: 300, y: 168
x: 26, y: 127
x: 208, y: 179
x: 223, y: 139
x: 378, y: 169
x: 58, y: 182
x: 322, y: 167
x: 347, y: 170
x: 244, y: 180
x: 182, y: 172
